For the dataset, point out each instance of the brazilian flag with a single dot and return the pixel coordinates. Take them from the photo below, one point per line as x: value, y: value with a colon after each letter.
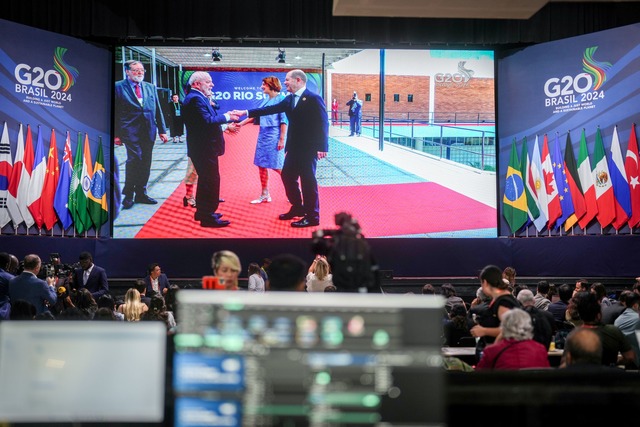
x: 514, y: 202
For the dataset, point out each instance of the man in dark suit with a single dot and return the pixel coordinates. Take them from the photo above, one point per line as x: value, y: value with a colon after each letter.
x: 138, y: 117
x: 307, y: 141
x: 90, y: 276
x: 26, y: 286
x: 156, y: 280
x: 205, y: 143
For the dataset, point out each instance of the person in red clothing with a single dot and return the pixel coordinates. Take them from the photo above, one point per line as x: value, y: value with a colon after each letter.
x: 516, y: 349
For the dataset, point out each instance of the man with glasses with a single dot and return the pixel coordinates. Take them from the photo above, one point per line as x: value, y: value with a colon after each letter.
x: 138, y: 118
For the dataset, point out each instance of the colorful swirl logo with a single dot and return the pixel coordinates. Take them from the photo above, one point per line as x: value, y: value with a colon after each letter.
x: 597, y: 69
x: 69, y: 73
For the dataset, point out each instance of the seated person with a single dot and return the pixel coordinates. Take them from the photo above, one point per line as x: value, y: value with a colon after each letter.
x: 133, y: 308
x: 156, y: 280
x: 457, y: 328
x: 516, y: 349
x: 319, y: 276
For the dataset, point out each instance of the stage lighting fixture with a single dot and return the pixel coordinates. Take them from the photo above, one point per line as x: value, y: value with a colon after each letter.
x: 282, y: 56
x: 216, y: 55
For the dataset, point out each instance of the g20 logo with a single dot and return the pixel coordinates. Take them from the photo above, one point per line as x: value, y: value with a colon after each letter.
x: 568, y: 85
x: 562, y: 91
x: 37, y: 77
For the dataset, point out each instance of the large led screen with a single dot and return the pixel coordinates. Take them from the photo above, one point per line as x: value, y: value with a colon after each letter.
x: 422, y: 166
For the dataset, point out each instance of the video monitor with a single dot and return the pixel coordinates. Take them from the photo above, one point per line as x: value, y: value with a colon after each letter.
x: 424, y: 165
x: 82, y: 372
x: 300, y: 359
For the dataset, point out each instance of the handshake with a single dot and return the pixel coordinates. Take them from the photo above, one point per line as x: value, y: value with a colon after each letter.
x: 236, y: 114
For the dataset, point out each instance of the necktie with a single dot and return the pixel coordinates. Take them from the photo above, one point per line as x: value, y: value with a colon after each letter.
x: 138, y: 91
x: 85, y: 277
x: 295, y: 100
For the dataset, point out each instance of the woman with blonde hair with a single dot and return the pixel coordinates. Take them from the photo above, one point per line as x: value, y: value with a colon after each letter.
x: 226, y: 267
x: 133, y: 307
x: 319, y: 276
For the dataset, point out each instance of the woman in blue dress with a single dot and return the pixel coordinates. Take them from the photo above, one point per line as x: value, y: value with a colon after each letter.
x: 271, y: 138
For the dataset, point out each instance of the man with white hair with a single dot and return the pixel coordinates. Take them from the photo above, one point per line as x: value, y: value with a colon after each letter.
x: 205, y: 143
x: 544, y: 324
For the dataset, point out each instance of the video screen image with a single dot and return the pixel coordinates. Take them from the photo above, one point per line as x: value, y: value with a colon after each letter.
x: 422, y: 166
x: 243, y: 359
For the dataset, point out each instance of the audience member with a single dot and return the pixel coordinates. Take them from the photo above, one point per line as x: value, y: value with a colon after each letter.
x: 22, y: 310
x: 319, y: 276
x: 106, y: 301
x: 501, y: 302
x: 542, y: 321
x: 13, y: 266
x: 559, y: 308
x: 600, y: 291
x: 158, y: 311
x: 256, y: 282
x: 611, y: 313
x: 90, y: 276
x: 428, y: 289
x: 226, y: 267
x: 72, y: 313
x: 583, y: 348
x: 457, y: 327
x: 628, y: 321
x: 448, y: 291
x: 287, y: 273
x: 517, y: 288
x: 141, y: 287
x: 26, y: 286
x: 263, y: 269
x: 104, y: 313
x: 331, y: 288
x: 613, y: 341
x: 156, y: 280
x: 582, y: 285
x: 541, y: 298
x: 133, y: 308
x: 517, y: 349
x: 509, y: 273
x: 5, y: 277
x: 86, y: 303
x: 480, y: 298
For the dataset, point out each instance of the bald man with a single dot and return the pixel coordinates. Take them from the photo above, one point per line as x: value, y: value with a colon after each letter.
x: 583, y: 347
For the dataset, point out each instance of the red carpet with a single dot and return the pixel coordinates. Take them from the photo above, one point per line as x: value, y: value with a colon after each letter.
x: 382, y: 210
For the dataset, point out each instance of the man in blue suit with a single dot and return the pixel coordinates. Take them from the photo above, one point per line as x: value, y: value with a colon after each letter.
x: 90, y: 276
x: 156, y: 280
x: 26, y: 286
x: 138, y: 117
x: 307, y: 142
x: 205, y: 143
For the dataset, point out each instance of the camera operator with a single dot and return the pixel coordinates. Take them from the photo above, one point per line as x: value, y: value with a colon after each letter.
x: 352, y: 264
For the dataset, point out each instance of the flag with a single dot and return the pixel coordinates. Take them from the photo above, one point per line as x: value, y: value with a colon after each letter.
x: 586, y: 182
x: 537, y: 182
x: 97, y: 194
x: 6, y: 166
x: 22, y: 184
x: 573, y: 182
x: 52, y: 175
x: 85, y: 183
x: 621, y: 192
x: 530, y: 193
x: 633, y: 174
x: 602, y: 182
x: 76, y: 195
x: 553, y: 199
x: 14, y: 181
x: 564, y: 193
x: 38, y: 171
x: 514, y: 202
x: 61, y: 201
